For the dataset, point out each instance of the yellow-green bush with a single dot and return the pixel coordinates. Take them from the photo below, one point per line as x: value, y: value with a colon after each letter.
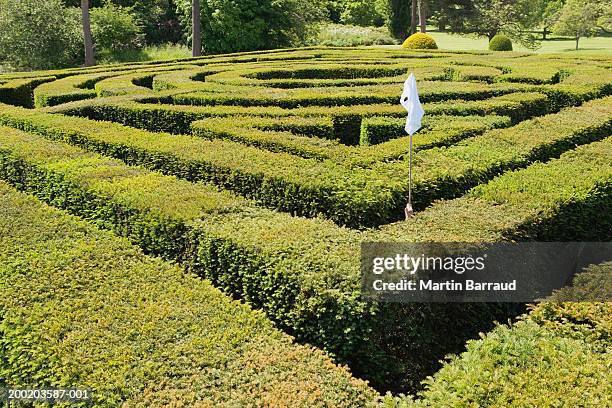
x: 80, y: 307
x: 420, y: 41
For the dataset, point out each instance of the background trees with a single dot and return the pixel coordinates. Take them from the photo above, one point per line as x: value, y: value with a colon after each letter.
x: 231, y: 25
x: 582, y: 18
x: 45, y: 34
x: 39, y: 34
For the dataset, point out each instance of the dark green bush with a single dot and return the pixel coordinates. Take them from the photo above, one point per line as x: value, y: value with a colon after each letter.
x: 500, y: 43
x: 39, y: 34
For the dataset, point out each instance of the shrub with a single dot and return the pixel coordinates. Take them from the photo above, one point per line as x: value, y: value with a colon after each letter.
x: 38, y: 34
x: 525, y: 365
x: 565, y: 345
x: 364, y: 12
x: 420, y: 41
x: 75, y: 301
x: 253, y: 24
x: 500, y: 43
x: 337, y: 35
x: 114, y: 29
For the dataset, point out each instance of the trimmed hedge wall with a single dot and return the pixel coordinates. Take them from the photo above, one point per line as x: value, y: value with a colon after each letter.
x: 271, y: 260
x: 19, y: 92
x: 556, y: 355
x: 274, y: 261
x: 355, y: 197
x: 83, y: 308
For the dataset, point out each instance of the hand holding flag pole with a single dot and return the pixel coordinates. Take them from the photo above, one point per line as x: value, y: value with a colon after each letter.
x: 410, y: 102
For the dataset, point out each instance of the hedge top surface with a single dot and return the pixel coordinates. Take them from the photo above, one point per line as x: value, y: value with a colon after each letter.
x: 137, y: 330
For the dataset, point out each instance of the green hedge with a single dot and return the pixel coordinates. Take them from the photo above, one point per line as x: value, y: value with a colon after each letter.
x: 275, y: 261
x: 82, y: 308
x: 433, y: 91
x: 556, y: 355
x: 449, y: 172
x: 269, y: 259
x: 565, y: 199
x: 347, y: 119
x: 19, y: 92
x: 450, y: 129
x: 356, y: 197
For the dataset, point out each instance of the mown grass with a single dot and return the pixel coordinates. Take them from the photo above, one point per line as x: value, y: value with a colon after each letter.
x: 587, y: 46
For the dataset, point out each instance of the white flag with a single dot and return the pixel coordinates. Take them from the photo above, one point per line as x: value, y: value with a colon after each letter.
x: 410, y: 102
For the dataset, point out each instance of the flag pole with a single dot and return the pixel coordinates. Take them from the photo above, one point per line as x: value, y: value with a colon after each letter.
x: 410, y: 101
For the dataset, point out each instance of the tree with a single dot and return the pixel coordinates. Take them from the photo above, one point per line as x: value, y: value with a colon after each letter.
x: 578, y: 19
x: 38, y: 34
x: 87, y: 36
x: 413, y: 16
x: 399, y: 18
x: 114, y: 29
x: 514, y: 18
x: 196, y: 31
x: 364, y: 12
x: 551, y: 10
x: 423, y: 16
x: 231, y: 26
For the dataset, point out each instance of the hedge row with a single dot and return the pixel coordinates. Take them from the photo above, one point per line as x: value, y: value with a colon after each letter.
x: 274, y: 261
x: 379, y: 129
x: 347, y: 119
x: 432, y: 91
x: 565, y: 346
x: 19, y: 92
x: 79, y: 87
x: 138, y: 83
x: 286, y: 134
x: 82, y: 308
x: 357, y: 197
x: 271, y: 260
x: 569, y: 198
x: 449, y: 172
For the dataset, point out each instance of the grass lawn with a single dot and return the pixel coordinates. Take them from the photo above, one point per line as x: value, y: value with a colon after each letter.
x: 596, y: 45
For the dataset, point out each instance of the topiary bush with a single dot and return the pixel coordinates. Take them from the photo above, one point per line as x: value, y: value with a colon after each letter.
x: 420, y: 41
x: 500, y: 43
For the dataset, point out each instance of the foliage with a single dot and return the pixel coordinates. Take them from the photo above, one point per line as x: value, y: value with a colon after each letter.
x: 500, y: 43
x: 565, y: 345
x: 80, y: 300
x: 229, y: 26
x: 157, y: 17
x: 114, y: 29
x: 39, y: 34
x: 238, y: 124
x: 420, y: 41
x: 364, y: 13
x: 514, y: 18
x: 340, y: 35
x: 578, y: 18
x: 399, y: 18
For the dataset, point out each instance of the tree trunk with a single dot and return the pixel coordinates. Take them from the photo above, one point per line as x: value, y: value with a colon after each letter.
x: 544, y: 33
x: 196, y: 34
x: 413, y: 17
x: 89, y: 53
x: 577, y: 38
x: 423, y: 15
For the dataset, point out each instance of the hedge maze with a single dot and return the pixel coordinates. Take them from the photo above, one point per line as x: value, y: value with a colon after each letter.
x: 263, y: 172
